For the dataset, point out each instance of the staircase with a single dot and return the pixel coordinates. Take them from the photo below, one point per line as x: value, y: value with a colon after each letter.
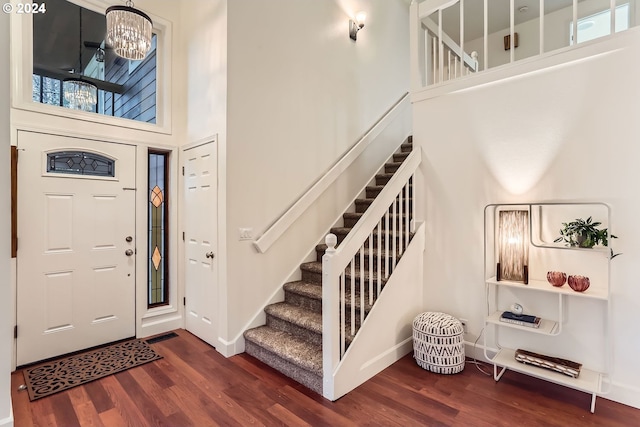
x: 291, y: 340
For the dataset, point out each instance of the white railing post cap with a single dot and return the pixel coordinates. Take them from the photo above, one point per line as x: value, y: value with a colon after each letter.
x: 331, y: 240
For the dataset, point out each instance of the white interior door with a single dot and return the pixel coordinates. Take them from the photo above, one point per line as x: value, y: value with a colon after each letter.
x: 76, y: 245
x: 200, y: 227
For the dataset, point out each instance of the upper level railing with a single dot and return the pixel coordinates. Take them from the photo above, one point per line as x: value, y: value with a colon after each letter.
x: 454, y: 38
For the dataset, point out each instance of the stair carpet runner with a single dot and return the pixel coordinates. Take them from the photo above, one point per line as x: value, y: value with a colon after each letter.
x: 291, y: 341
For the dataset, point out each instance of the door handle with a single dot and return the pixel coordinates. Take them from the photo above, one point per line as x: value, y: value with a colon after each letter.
x: 128, y: 252
x: 129, y: 239
x: 210, y: 255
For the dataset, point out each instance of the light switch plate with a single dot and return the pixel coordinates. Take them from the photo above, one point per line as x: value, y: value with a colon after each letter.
x: 246, y: 233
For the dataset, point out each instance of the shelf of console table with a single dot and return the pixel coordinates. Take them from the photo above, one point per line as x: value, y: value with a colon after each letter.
x: 544, y: 286
x: 588, y: 381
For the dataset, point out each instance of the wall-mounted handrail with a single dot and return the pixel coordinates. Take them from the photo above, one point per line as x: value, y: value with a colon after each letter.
x: 279, y: 227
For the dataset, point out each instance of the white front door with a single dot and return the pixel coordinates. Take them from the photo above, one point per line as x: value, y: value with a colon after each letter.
x: 200, y: 227
x: 76, y: 244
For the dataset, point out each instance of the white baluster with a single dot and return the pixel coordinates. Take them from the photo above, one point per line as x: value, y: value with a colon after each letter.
x: 386, y: 243
x: 361, y: 287
x: 371, y: 274
x: 379, y: 275
x: 353, y: 295
x: 435, y: 61
x: 399, y: 219
x: 394, y: 236
x: 409, y: 202
x: 486, y: 35
x: 541, y: 30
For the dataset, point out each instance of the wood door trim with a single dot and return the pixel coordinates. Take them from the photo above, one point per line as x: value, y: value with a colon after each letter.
x: 14, y: 201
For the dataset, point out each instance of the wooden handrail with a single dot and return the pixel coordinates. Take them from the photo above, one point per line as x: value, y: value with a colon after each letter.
x: 280, y: 226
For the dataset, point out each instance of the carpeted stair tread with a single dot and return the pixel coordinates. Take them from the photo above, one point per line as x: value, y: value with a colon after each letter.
x: 399, y: 157
x: 312, y: 266
x: 288, y: 347
x: 358, y: 215
x: 296, y: 315
x: 305, y: 289
x: 316, y: 267
x: 368, y: 200
x: 357, y: 302
x: 321, y: 249
x: 384, y: 175
x: 352, y: 215
x: 341, y: 232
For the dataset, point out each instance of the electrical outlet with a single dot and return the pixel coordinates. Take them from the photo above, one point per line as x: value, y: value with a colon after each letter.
x: 465, y: 325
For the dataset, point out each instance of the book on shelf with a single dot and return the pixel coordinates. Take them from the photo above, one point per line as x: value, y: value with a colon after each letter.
x: 520, y: 319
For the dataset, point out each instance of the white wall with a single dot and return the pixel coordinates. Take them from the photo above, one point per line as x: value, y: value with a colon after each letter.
x: 299, y: 94
x: 204, y: 38
x: 567, y: 132
x: 6, y: 322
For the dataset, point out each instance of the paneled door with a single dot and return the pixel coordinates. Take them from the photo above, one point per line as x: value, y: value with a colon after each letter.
x: 200, y: 228
x: 76, y: 244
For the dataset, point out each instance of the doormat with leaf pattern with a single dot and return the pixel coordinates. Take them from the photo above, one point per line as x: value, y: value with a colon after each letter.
x: 62, y: 374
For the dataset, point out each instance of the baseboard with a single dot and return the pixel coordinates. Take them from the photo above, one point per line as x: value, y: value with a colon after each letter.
x: 389, y: 357
x: 8, y: 422
x: 623, y: 393
x: 159, y: 326
x: 230, y: 348
x: 476, y: 351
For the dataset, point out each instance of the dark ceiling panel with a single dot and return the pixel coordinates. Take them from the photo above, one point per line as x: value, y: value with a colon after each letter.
x: 56, y: 35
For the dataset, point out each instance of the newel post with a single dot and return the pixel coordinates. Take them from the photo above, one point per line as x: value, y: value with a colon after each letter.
x: 330, y: 331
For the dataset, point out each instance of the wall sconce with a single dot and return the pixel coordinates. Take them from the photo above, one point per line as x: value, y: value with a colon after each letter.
x: 513, y: 246
x: 355, y: 26
x: 507, y: 41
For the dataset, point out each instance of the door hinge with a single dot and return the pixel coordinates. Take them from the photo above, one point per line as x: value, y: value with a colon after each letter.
x: 183, y: 171
x: 184, y: 301
x: 15, y: 331
x: 183, y: 236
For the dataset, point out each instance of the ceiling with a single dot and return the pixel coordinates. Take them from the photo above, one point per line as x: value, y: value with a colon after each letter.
x: 56, y: 36
x: 498, y: 16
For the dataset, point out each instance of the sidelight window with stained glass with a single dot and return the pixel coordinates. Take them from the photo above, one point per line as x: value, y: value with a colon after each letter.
x: 158, y: 286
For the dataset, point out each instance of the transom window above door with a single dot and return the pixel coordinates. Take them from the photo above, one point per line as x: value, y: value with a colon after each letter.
x: 70, y: 55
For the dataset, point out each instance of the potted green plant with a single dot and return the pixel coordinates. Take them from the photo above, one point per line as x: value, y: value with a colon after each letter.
x: 585, y: 234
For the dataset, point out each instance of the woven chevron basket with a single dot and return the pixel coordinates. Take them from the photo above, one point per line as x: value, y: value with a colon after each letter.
x: 438, y: 345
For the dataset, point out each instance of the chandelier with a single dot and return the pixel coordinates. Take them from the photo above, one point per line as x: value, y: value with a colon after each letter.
x: 78, y: 92
x: 128, y: 31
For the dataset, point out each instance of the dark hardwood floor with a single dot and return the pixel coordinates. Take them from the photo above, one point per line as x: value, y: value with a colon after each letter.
x: 193, y: 385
